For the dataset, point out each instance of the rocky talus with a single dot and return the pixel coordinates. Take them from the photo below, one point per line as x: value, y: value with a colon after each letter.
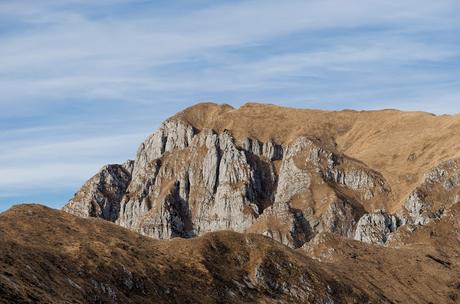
x: 202, y: 172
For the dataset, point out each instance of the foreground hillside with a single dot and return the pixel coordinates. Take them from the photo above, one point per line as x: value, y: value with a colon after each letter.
x: 49, y: 256
x: 289, y: 174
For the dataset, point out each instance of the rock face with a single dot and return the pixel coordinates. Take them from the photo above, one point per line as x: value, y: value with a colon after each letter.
x: 430, y: 200
x: 319, y: 190
x: 187, y: 182
x: 206, y: 184
x: 101, y: 195
x: 376, y: 227
x: 439, y: 190
x: 189, y: 179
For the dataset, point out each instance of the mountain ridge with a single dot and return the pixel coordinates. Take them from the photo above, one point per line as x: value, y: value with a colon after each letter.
x: 282, y: 172
x: 260, y: 204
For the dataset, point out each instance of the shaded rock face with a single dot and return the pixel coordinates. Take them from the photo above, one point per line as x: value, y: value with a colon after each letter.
x: 101, y: 195
x: 185, y: 182
x: 206, y: 184
x: 319, y: 190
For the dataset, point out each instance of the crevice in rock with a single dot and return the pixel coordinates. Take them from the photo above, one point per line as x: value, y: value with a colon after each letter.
x: 301, y: 231
x: 179, y: 213
x: 263, y: 184
x: 219, y: 157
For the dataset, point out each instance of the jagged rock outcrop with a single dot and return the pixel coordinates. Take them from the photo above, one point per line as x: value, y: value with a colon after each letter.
x: 376, y: 227
x: 439, y: 190
x: 319, y: 190
x: 207, y: 183
x: 101, y: 195
x: 195, y: 175
x: 186, y: 182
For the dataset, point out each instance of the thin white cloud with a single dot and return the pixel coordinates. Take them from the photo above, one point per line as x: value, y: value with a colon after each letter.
x: 42, y: 175
x: 92, y: 147
x: 28, y: 162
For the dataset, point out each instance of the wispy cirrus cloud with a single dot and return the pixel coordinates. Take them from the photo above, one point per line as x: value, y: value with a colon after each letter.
x: 46, y: 165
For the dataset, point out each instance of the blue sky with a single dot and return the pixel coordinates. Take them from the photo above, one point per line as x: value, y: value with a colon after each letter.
x: 83, y: 82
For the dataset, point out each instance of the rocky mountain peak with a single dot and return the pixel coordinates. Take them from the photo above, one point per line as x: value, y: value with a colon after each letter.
x: 285, y: 173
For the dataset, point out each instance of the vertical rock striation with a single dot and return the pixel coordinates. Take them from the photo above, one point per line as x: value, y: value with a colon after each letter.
x: 318, y: 190
x: 186, y: 182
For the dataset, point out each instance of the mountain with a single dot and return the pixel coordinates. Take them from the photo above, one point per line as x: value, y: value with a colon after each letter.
x: 289, y: 174
x: 260, y: 204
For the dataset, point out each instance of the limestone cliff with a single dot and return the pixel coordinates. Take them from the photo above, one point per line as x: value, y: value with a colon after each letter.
x: 203, y: 171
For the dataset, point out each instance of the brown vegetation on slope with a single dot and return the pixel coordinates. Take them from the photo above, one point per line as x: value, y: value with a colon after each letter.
x: 49, y: 256
x: 421, y: 266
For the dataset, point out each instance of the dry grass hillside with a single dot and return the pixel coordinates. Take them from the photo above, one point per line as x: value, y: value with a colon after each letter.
x: 400, y: 145
x: 49, y: 256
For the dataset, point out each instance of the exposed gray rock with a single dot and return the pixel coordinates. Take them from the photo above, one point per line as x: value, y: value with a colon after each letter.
x: 272, y: 151
x: 340, y: 218
x: 228, y: 206
x: 135, y: 201
x: 292, y: 179
x: 418, y: 210
x: 101, y: 195
x: 186, y: 182
x: 376, y: 227
x: 439, y: 189
x: 172, y: 134
x: 215, y: 189
x: 128, y: 166
x: 305, y: 185
x: 430, y: 200
x: 172, y: 218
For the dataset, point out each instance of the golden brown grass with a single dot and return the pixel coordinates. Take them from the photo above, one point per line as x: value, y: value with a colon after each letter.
x: 422, y: 266
x: 49, y: 256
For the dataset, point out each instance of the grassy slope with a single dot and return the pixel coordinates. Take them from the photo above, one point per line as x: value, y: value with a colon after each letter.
x: 49, y: 256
